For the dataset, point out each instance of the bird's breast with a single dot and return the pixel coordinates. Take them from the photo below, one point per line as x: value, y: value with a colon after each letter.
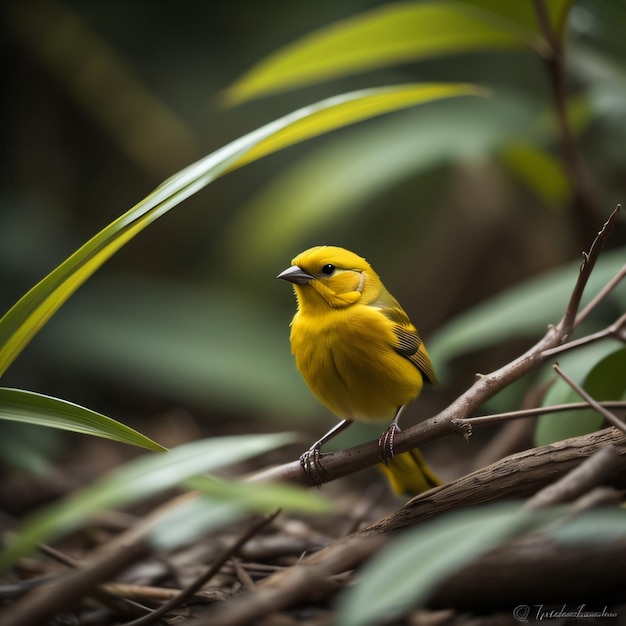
x: 348, y: 361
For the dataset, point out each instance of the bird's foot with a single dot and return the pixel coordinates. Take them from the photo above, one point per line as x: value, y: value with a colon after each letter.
x: 311, y: 465
x: 385, y: 443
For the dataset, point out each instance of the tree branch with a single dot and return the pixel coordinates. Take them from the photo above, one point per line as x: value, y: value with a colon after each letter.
x: 454, y: 418
x: 593, y: 471
x: 537, y: 571
x: 616, y: 330
x: 495, y: 418
x: 517, y: 476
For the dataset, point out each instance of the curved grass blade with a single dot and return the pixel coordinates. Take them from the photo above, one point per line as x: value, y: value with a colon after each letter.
x: 409, y: 569
x: 133, y: 482
x: 397, y: 33
x: 33, y: 408
x: 221, y: 502
x: 22, y: 322
x: 343, y: 110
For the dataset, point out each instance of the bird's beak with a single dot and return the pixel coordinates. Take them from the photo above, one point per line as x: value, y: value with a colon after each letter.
x: 296, y: 274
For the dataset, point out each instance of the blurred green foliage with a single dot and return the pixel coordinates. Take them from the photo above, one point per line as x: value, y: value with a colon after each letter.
x: 153, y: 474
x: 391, y: 584
x: 467, y: 207
x: 452, y: 202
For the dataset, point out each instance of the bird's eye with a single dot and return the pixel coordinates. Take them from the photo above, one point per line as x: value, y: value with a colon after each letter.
x: 328, y: 269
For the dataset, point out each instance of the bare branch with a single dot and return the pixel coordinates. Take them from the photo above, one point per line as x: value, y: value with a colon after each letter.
x: 568, y: 322
x: 197, y: 584
x: 517, y: 476
x: 455, y: 418
x: 310, y: 579
x: 55, y: 597
x: 539, y: 572
x: 541, y: 410
x: 616, y: 329
x: 603, y: 293
x: 592, y: 472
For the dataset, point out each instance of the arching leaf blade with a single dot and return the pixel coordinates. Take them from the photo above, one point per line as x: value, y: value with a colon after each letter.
x: 27, y: 407
x: 134, y: 482
x: 356, y: 107
x: 22, y: 322
x: 396, y: 33
x: 406, y: 572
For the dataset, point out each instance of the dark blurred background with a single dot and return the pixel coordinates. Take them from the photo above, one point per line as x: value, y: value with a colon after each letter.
x: 184, y: 331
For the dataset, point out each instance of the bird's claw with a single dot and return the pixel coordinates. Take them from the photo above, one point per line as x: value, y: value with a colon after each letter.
x: 385, y: 443
x: 311, y: 465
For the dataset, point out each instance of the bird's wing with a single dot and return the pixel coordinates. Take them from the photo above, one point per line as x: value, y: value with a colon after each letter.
x: 412, y: 347
x: 408, y: 343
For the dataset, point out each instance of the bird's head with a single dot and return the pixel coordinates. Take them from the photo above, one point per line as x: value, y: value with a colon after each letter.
x: 329, y: 276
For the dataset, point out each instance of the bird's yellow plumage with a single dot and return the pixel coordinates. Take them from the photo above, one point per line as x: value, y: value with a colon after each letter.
x: 354, y: 345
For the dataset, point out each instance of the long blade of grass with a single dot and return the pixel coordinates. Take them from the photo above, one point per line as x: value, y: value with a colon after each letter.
x: 406, y: 572
x: 27, y: 407
x: 22, y: 322
x: 134, y: 482
x: 397, y: 33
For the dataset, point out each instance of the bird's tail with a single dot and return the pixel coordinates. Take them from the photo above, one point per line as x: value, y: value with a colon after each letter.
x: 409, y: 474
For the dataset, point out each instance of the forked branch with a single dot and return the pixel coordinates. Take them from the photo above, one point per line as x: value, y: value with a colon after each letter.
x: 452, y: 420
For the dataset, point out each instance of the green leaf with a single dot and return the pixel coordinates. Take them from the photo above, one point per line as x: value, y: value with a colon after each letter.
x: 521, y: 311
x: 607, y: 380
x: 602, y: 375
x: 224, y: 502
x: 346, y: 109
x: 33, y: 408
x: 33, y: 310
x: 190, y: 519
x: 409, y: 569
x: 521, y: 17
x: 262, y: 497
x: 397, y: 33
x: 592, y: 527
x: 331, y: 184
x: 134, y: 482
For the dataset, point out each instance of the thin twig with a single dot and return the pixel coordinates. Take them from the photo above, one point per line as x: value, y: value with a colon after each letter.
x: 567, y: 323
x: 594, y: 404
x: 454, y: 419
x: 616, y: 330
x: 485, y: 420
x: 311, y: 579
x: 43, y: 602
x: 516, y: 476
x: 105, y: 593
x: 604, y: 291
x: 206, y: 576
x: 582, y: 201
x: 597, y: 497
x: 57, y: 555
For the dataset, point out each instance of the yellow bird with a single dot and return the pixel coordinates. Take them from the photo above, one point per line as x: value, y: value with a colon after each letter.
x: 358, y: 352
